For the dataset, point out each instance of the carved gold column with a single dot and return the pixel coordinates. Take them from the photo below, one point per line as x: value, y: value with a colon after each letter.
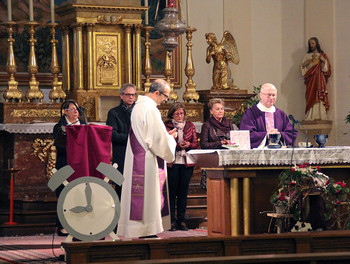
x: 90, y: 29
x: 12, y: 93
x: 33, y: 91
x: 128, y: 53
x: 190, y: 93
x: 78, y: 54
x: 148, y: 65
x: 56, y: 92
x: 168, y: 72
x: 65, y: 59
x: 138, y: 64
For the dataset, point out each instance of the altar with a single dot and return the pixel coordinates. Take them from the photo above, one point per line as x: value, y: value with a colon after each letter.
x: 240, y: 182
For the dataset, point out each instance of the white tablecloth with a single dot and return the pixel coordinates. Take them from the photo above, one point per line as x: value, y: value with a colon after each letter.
x: 36, y: 128
x: 328, y: 155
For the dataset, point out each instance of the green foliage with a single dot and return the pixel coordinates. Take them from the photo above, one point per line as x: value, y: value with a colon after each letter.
x: 237, y: 117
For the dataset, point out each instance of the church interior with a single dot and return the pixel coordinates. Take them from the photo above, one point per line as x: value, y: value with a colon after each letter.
x: 54, y: 50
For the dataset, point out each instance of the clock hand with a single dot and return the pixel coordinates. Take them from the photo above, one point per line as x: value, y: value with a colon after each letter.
x: 78, y: 209
x: 88, y: 194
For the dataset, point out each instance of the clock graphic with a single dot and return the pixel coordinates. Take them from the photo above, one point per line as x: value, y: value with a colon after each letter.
x: 88, y: 207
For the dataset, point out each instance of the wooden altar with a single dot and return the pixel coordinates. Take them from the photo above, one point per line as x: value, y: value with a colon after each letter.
x: 240, y: 183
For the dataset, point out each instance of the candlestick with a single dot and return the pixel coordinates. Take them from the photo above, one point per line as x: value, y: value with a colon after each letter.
x: 146, y: 13
x: 31, y: 16
x: 52, y: 6
x: 9, y: 10
x: 188, y: 13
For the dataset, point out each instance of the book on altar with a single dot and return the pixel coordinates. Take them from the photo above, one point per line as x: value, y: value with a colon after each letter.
x: 240, y: 138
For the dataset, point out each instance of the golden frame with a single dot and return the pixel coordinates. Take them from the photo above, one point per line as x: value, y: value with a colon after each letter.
x: 107, y: 60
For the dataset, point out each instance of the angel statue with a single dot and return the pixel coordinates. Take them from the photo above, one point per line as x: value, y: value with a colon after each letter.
x: 222, y: 53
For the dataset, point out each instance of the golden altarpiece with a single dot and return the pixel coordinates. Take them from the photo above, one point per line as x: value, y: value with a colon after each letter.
x: 101, y: 50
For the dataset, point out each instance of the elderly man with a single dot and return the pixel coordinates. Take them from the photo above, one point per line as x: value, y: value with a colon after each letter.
x: 144, y: 203
x: 264, y: 119
x: 119, y: 118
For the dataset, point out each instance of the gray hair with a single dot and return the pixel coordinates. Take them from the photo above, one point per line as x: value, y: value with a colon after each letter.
x: 158, y: 85
x: 126, y: 85
x: 215, y: 101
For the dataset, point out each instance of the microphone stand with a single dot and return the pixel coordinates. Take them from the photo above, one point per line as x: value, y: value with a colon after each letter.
x: 293, y: 131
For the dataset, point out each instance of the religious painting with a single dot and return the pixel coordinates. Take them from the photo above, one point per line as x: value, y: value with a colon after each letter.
x: 107, y: 58
x: 157, y: 50
x: 20, y: 15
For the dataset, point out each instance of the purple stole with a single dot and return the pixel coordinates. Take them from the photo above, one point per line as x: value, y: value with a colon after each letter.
x: 138, y: 180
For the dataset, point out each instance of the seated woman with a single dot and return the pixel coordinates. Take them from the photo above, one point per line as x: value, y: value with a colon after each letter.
x: 181, y: 170
x: 70, y: 111
x: 216, y: 130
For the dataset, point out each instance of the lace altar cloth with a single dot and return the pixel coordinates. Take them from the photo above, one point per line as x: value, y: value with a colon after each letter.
x: 315, y: 156
x: 36, y: 128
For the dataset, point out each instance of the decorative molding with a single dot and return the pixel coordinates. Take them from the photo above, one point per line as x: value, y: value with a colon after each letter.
x: 36, y: 113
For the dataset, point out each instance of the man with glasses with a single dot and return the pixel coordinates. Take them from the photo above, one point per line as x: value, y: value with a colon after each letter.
x: 145, y: 210
x: 119, y: 119
x: 264, y: 119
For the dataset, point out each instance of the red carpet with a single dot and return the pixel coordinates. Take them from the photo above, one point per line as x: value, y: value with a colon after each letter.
x: 46, y: 248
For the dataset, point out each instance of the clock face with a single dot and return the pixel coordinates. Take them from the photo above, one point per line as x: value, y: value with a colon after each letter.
x: 88, y: 208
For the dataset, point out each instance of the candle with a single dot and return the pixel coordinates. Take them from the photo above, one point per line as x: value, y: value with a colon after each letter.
x: 146, y: 13
x: 188, y: 13
x: 9, y: 10
x: 52, y: 5
x: 31, y: 17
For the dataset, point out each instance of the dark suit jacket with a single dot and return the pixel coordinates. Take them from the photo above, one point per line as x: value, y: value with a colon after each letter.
x: 119, y: 119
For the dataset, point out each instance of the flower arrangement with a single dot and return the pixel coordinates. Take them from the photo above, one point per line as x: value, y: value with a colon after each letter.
x: 295, y: 184
x: 337, y: 189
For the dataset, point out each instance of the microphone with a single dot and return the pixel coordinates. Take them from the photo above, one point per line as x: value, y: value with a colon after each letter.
x: 294, y: 121
x: 291, y: 118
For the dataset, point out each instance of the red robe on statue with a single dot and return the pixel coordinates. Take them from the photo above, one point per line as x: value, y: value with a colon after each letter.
x: 316, y: 85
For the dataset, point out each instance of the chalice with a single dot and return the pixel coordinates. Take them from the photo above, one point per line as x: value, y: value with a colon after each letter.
x: 321, y: 140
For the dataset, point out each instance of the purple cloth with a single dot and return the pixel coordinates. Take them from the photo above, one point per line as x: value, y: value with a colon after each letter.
x: 87, y: 146
x: 254, y: 121
x: 138, y: 178
x: 138, y: 181
x: 163, y: 189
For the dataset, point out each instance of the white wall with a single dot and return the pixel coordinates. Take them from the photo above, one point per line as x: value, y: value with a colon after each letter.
x: 272, y: 36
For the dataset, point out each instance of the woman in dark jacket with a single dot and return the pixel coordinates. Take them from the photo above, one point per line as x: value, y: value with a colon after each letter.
x: 181, y: 170
x: 70, y: 117
x: 216, y: 130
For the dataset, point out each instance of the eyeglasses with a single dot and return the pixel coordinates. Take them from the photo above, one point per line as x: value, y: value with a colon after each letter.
x: 129, y: 95
x: 269, y: 95
x: 166, y: 96
x: 179, y: 114
x: 72, y: 109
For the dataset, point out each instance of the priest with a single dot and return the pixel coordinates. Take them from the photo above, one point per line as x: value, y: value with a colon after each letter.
x: 145, y: 209
x: 264, y: 119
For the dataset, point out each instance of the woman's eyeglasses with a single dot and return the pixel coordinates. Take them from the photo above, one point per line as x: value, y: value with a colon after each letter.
x: 179, y: 114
